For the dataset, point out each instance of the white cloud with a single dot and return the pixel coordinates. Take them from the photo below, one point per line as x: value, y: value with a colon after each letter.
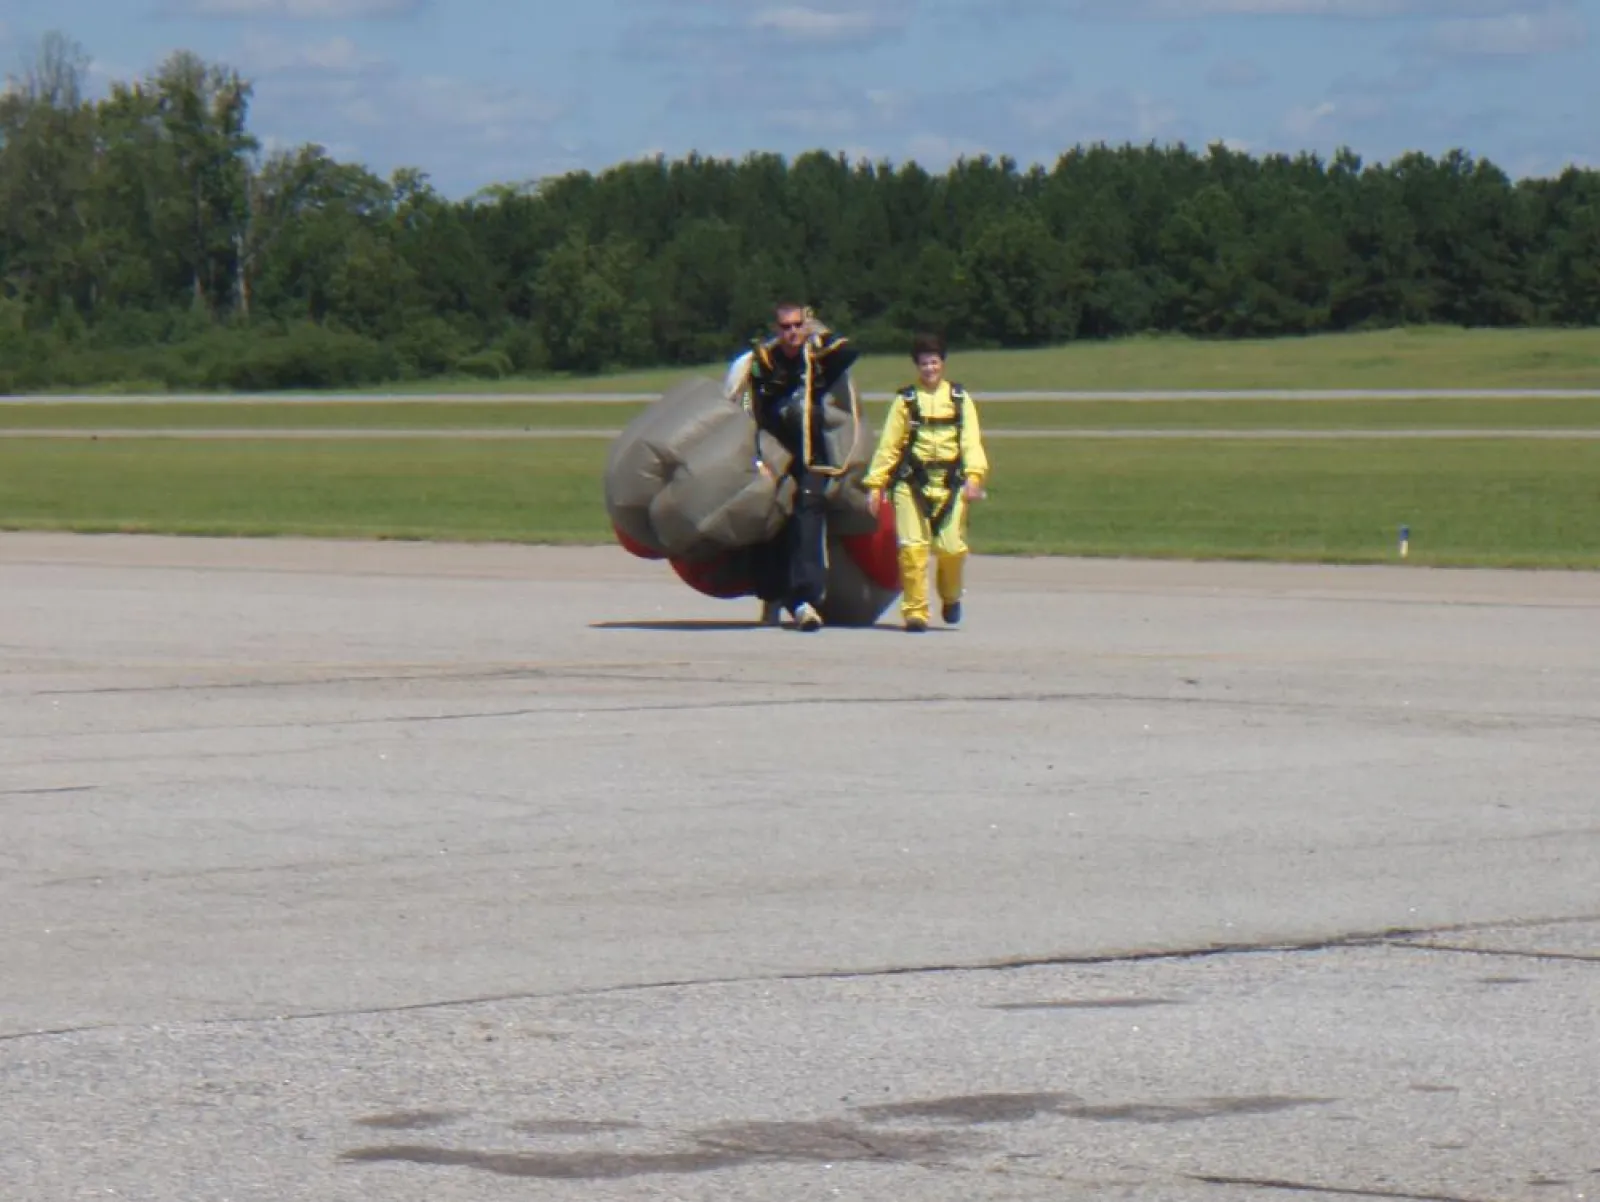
x: 1352, y: 9
x: 672, y: 31
x: 308, y: 10
x: 367, y: 110
x: 1511, y: 35
x: 935, y: 151
x: 809, y: 24
x: 266, y: 55
x: 1303, y: 121
x: 1236, y: 73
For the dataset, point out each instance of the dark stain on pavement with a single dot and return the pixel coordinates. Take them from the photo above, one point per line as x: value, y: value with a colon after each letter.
x: 1505, y: 981
x: 825, y: 1141
x: 829, y: 1141
x: 1110, y: 1003
x: 972, y: 1108
x: 725, y: 1147
x: 410, y: 1120
x: 1021, y: 1107
x: 574, y: 1126
x: 1191, y: 1111
x: 550, y: 1166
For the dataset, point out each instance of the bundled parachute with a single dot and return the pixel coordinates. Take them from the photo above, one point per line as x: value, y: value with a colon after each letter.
x: 682, y: 484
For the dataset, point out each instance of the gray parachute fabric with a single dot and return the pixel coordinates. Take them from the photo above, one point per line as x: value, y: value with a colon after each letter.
x: 681, y: 484
x: 681, y: 478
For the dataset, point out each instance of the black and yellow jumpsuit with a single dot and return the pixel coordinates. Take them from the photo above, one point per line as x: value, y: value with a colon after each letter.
x: 781, y: 404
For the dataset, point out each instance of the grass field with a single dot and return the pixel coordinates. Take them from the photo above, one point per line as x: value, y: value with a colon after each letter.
x: 1448, y: 413
x: 1494, y: 503
x: 1423, y: 357
x: 1427, y: 357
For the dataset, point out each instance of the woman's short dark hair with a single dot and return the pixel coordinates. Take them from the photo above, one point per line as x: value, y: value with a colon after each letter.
x: 927, y: 344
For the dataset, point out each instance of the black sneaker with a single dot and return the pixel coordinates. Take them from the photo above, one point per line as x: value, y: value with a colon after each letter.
x: 915, y: 626
x: 952, y: 613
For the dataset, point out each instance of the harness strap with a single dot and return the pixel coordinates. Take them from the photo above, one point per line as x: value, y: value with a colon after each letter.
x: 913, y: 471
x: 806, y: 419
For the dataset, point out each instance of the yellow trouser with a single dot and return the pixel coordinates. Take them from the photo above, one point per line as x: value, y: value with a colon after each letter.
x: 917, y: 540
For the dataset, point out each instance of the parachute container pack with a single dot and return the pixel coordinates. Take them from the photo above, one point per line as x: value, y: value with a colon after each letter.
x: 682, y: 485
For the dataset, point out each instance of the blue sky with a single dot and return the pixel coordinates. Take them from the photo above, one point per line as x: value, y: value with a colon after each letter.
x: 476, y: 92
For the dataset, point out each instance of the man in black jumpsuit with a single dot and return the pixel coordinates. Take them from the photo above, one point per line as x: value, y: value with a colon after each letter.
x: 795, y: 570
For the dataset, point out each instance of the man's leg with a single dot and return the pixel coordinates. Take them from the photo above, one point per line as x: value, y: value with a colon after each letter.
x: 950, y: 552
x: 808, y: 565
x: 911, y: 528
x: 770, y: 561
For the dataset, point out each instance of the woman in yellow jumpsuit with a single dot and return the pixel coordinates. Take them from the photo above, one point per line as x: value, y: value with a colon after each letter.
x: 931, y: 456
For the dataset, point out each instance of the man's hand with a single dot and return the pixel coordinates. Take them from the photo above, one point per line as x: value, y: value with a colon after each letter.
x: 972, y: 490
x: 875, y: 501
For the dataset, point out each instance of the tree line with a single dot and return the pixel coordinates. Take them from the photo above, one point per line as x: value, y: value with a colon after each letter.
x: 146, y: 239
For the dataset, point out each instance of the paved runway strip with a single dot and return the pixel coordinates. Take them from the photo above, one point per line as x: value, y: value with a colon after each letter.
x: 1291, y: 434
x: 356, y: 871
x: 998, y: 395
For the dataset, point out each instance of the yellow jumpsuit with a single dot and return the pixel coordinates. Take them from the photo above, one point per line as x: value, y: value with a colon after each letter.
x: 935, y: 445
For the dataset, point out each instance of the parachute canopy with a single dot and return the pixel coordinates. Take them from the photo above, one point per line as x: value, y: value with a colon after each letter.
x: 682, y: 484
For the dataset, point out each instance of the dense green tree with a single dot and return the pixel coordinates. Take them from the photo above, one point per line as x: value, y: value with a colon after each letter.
x: 145, y: 236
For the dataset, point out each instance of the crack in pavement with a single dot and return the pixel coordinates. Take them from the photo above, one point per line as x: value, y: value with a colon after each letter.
x: 1392, y: 937
x: 560, y: 706
x: 627, y: 674
x: 1509, y: 953
x: 1306, y: 1187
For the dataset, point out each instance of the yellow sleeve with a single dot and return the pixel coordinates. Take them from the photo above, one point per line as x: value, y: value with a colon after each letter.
x: 974, y: 460
x: 888, y: 453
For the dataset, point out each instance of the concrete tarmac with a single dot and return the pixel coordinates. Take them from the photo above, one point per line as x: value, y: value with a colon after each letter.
x: 359, y: 871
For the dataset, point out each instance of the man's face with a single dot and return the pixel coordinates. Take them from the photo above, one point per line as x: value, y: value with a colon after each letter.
x: 930, y: 370
x: 791, y: 330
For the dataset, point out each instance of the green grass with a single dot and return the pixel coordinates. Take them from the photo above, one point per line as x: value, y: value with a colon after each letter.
x: 508, y: 491
x: 1419, y: 357
x: 1468, y: 503
x: 1527, y: 412
x: 1425, y: 357
x: 252, y: 414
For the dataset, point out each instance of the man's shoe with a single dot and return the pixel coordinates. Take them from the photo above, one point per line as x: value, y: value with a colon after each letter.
x: 807, y: 618
x: 916, y: 625
x: 952, y: 613
x: 772, y: 613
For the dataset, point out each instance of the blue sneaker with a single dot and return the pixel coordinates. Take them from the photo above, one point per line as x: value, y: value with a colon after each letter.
x: 952, y: 613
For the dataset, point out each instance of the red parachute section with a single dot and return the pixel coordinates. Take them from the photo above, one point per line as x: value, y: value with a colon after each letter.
x: 877, y: 554
x: 634, y: 547
x: 727, y: 576
x: 724, y: 577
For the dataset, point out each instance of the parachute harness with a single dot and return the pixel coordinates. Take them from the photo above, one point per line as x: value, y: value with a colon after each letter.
x: 912, y: 471
x: 806, y: 420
